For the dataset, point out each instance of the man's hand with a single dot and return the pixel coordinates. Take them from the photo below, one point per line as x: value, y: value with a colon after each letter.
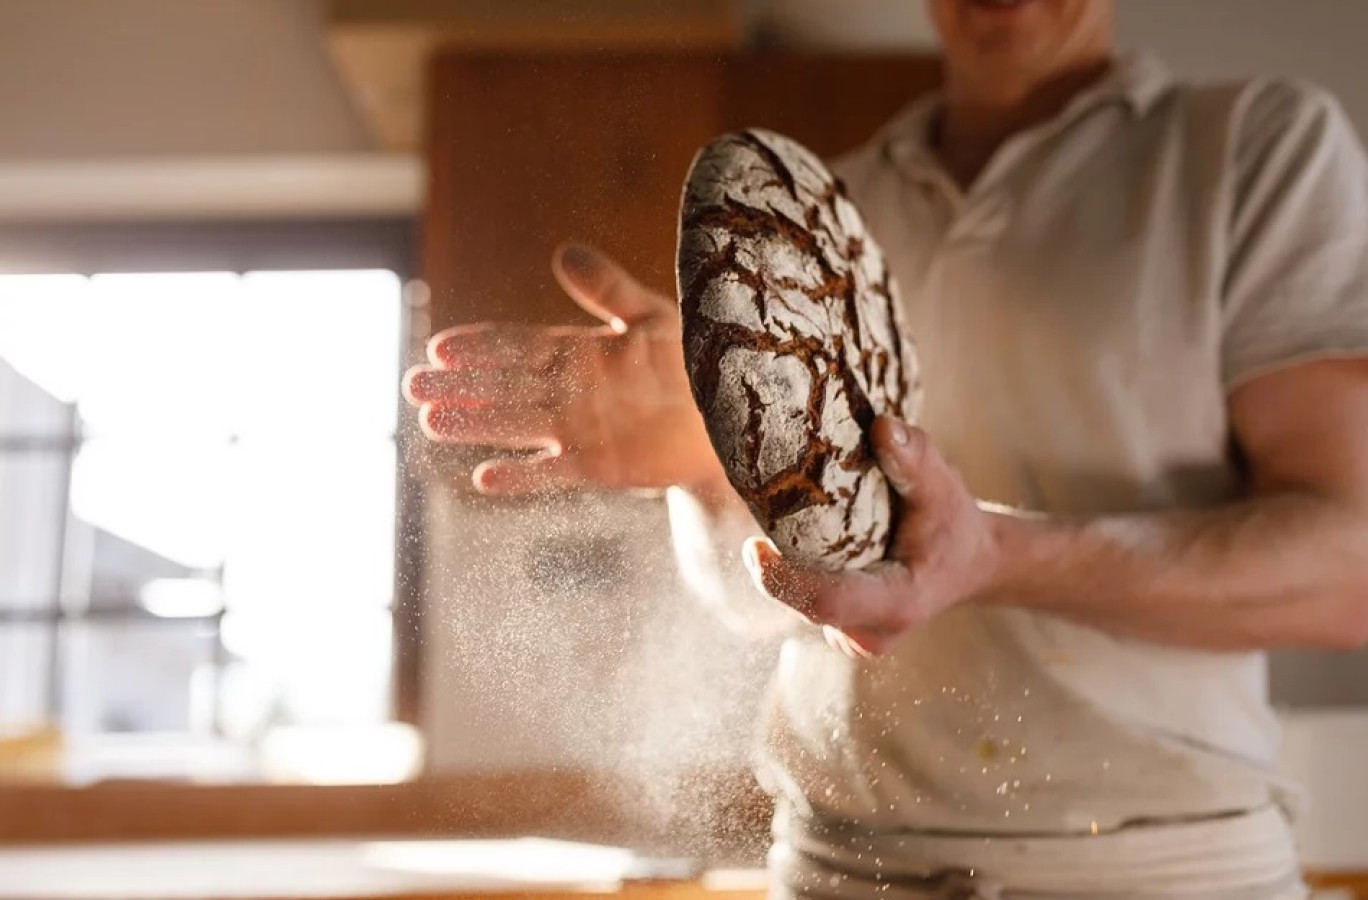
x: 1282, y: 567
x: 608, y: 406
x: 944, y: 551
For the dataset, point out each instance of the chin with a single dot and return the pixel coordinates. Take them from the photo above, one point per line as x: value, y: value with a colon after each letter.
x: 1008, y: 60
x: 996, y: 36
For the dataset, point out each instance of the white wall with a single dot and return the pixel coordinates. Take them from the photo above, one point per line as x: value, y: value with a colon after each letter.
x: 183, y: 109
x: 1321, y: 40
x: 157, y: 78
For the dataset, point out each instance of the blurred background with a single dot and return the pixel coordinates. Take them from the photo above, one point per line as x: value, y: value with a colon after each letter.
x: 240, y: 600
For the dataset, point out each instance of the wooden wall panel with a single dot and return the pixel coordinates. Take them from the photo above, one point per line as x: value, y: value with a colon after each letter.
x: 830, y: 103
x: 529, y: 151
x: 526, y: 150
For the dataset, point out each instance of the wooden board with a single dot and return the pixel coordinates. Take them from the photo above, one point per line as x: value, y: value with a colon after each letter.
x: 527, y: 150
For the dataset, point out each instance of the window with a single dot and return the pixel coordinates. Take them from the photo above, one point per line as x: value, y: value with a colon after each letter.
x: 197, y: 533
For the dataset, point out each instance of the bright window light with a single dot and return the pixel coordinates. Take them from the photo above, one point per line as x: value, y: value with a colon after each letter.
x: 192, y: 451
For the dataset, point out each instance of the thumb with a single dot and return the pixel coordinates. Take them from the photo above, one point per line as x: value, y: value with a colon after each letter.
x: 605, y: 289
x: 904, y: 452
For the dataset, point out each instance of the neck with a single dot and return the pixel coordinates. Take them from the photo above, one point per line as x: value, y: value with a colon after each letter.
x: 980, y: 115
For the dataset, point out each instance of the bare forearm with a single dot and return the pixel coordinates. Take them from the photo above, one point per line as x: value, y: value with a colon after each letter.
x: 1282, y: 570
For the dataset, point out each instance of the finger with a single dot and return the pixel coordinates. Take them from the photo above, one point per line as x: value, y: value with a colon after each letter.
x: 467, y: 387
x: 405, y: 384
x: 605, y: 289
x: 491, y: 344
x: 844, y: 643
x: 867, y: 643
x: 878, y: 597
x: 902, y: 452
x: 494, y: 426
x: 776, y: 577
x: 532, y: 475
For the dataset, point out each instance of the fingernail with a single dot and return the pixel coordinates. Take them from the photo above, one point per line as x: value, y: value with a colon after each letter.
x: 750, y: 557
x: 482, y: 478
x: 577, y: 259
x: 900, y: 433
x: 858, y: 649
x: 418, y: 382
x: 756, y: 553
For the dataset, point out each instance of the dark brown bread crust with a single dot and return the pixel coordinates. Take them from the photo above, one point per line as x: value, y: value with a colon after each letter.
x: 792, y: 343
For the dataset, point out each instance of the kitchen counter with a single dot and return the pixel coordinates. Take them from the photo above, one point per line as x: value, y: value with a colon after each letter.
x: 394, y: 870
x: 357, y: 870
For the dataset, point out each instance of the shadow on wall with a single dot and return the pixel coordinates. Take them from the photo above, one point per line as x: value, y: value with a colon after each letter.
x: 1308, y: 678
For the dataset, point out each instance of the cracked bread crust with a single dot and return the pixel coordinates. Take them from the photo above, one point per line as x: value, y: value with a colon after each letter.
x: 793, y: 344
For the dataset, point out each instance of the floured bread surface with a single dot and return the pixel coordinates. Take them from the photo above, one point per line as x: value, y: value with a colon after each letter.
x: 793, y: 344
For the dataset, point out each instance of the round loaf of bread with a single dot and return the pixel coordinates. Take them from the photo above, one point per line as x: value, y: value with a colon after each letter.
x: 793, y: 344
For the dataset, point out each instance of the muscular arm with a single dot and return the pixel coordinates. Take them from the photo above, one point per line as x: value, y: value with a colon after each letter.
x: 1288, y: 567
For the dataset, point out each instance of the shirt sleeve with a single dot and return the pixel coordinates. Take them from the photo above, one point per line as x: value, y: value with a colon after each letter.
x: 1296, y: 284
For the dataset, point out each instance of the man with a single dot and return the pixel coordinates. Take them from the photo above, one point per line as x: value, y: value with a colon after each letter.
x: 1142, y: 313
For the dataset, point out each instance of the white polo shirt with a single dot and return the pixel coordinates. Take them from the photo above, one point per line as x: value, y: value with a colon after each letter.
x: 1081, y: 315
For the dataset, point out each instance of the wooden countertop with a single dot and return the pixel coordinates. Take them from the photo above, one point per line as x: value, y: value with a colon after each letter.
x: 596, y: 807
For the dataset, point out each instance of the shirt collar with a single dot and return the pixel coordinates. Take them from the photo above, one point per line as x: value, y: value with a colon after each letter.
x: 1136, y: 79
